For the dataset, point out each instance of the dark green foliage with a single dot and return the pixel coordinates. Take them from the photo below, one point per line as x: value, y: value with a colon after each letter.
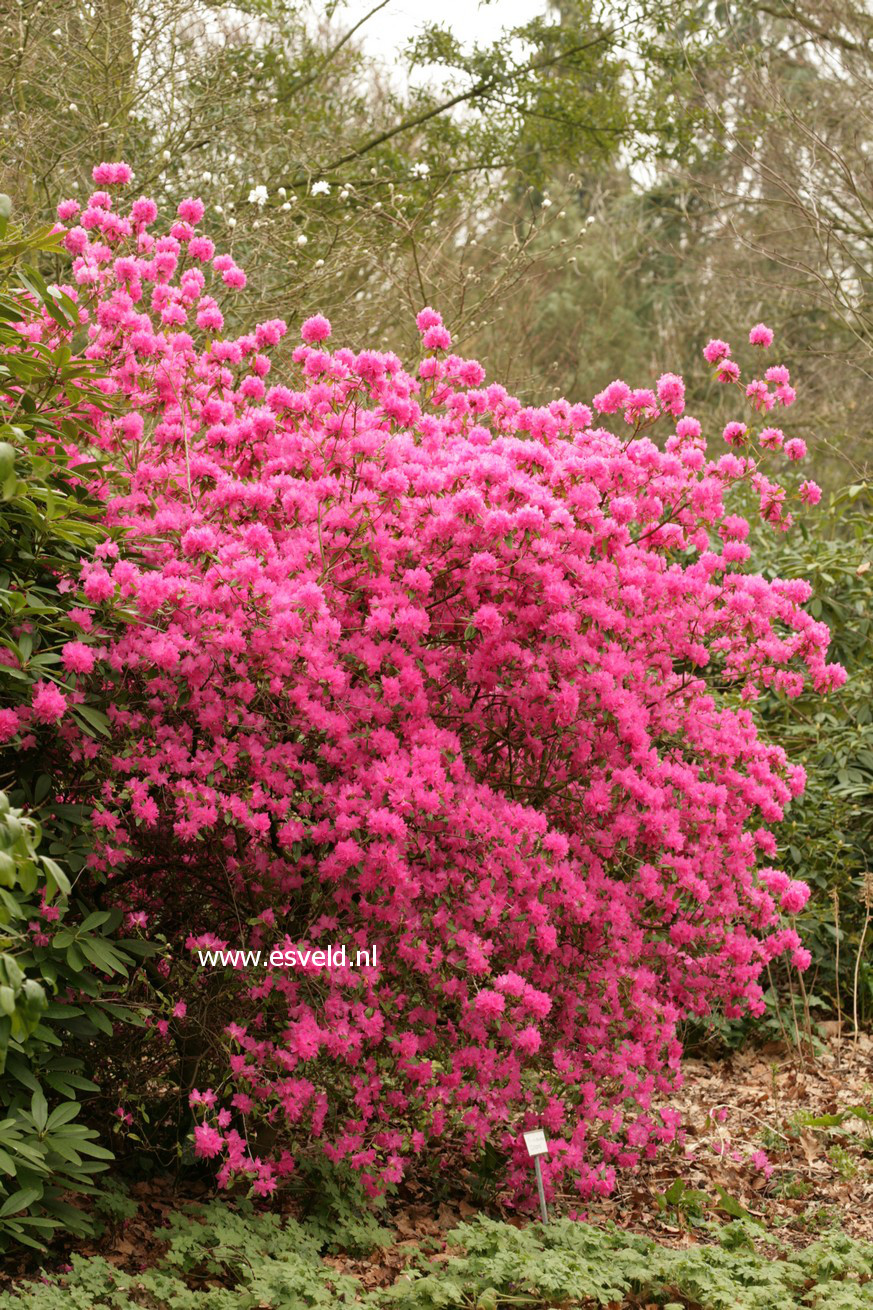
x: 48, y: 518
x: 827, y: 838
x: 64, y: 975
x: 44, y: 1154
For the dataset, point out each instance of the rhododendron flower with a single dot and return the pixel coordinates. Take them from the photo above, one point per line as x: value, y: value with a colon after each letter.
x: 716, y: 350
x: 794, y: 897
x: 144, y: 211
x: 191, y: 210
x: 613, y: 398
x: 49, y: 704
x: 77, y: 657
x: 671, y: 392
x: 489, y: 1003
x: 761, y: 335
x: 208, y: 1141
x: 734, y: 433
x: 436, y: 338
x: 688, y: 427
x: 427, y: 318
x: 810, y: 492
x: 9, y: 724
x: 761, y: 1162
x: 315, y: 329
x: 112, y: 174
x: 795, y: 448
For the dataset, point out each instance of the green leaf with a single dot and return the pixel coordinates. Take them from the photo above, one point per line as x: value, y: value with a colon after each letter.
x: 63, y: 1114
x: 93, y: 718
x: 95, y: 919
x: 20, y: 1200
x: 39, y: 1109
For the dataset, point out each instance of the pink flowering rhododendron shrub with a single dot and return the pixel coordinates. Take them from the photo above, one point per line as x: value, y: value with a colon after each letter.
x: 412, y: 666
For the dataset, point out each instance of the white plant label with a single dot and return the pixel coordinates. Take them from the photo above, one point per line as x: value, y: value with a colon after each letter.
x: 536, y: 1142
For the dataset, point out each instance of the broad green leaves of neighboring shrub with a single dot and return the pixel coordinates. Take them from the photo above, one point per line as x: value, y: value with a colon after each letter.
x: 44, y: 1154
x: 827, y: 838
x: 63, y: 973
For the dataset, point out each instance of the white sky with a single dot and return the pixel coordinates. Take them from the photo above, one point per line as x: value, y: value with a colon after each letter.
x: 385, y: 35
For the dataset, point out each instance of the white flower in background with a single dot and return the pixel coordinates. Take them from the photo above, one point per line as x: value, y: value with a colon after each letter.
x: 591, y: 219
x: 344, y: 195
x: 231, y: 222
x: 258, y: 196
x: 166, y: 156
x: 420, y: 170
x: 282, y: 192
x: 320, y: 189
x: 319, y: 263
x: 286, y: 206
x: 207, y: 176
x: 302, y: 240
x: 546, y: 202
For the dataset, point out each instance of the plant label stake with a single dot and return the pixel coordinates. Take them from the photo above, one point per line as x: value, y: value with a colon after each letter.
x: 536, y: 1146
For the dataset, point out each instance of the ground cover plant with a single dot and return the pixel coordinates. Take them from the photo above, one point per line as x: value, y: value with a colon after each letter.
x: 390, y: 659
x: 221, y: 1256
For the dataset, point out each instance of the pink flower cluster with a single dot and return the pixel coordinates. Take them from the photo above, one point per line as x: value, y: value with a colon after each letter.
x: 421, y: 666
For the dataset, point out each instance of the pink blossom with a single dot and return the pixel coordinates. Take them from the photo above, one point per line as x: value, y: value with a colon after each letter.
x: 716, y: 350
x: 436, y: 338
x: 208, y: 1141
x: 49, y: 704
x: 671, y: 392
x: 77, y: 657
x: 761, y: 335
x: 734, y: 433
x: 9, y: 724
x: 794, y: 897
x: 315, y: 329
x: 427, y: 318
x: 191, y: 210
